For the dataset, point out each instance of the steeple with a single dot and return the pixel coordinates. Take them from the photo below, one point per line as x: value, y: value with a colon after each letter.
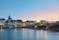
x: 9, y: 17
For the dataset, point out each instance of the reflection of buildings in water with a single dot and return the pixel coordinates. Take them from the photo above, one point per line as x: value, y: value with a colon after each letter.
x: 25, y: 34
x: 29, y: 34
x: 38, y: 35
x: 1, y: 30
x: 33, y: 34
x: 58, y: 36
x: 44, y: 35
x: 41, y: 34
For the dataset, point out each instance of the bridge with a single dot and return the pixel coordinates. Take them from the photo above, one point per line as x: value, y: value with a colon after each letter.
x: 54, y: 26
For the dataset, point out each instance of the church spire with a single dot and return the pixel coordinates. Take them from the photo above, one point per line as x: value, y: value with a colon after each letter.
x: 9, y: 17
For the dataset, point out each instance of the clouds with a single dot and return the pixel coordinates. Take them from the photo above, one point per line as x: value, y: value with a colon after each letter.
x: 49, y: 12
x: 35, y: 9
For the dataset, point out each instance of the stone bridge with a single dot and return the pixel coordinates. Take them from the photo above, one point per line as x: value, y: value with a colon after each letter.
x: 54, y: 26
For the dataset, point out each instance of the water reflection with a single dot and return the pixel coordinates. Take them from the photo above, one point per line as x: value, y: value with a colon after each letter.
x: 28, y: 34
x: 1, y: 30
x: 44, y: 35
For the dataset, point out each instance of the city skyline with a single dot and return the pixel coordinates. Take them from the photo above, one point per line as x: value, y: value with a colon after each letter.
x: 30, y: 9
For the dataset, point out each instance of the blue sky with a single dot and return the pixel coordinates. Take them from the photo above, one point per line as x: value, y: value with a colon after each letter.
x: 22, y: 9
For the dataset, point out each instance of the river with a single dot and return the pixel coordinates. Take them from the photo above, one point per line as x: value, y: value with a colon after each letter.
x: 27, y: 34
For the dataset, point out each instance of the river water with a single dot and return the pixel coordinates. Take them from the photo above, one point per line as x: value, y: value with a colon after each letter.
x: 27, y: 34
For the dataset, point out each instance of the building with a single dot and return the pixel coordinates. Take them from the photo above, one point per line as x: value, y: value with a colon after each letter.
x: 43, y: 23
x: 23, y: 24
x: 9, y: 22
x: 18, y: 23
x: 30, y: 23
x: 2, y: 22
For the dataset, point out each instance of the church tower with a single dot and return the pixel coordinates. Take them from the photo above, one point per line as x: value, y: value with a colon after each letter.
x: 9, y: 17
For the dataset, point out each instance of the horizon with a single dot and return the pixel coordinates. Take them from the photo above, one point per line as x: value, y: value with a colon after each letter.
x: 30, y: 9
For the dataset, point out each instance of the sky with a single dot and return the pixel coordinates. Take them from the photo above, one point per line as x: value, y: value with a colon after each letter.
x: 30, y: 9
